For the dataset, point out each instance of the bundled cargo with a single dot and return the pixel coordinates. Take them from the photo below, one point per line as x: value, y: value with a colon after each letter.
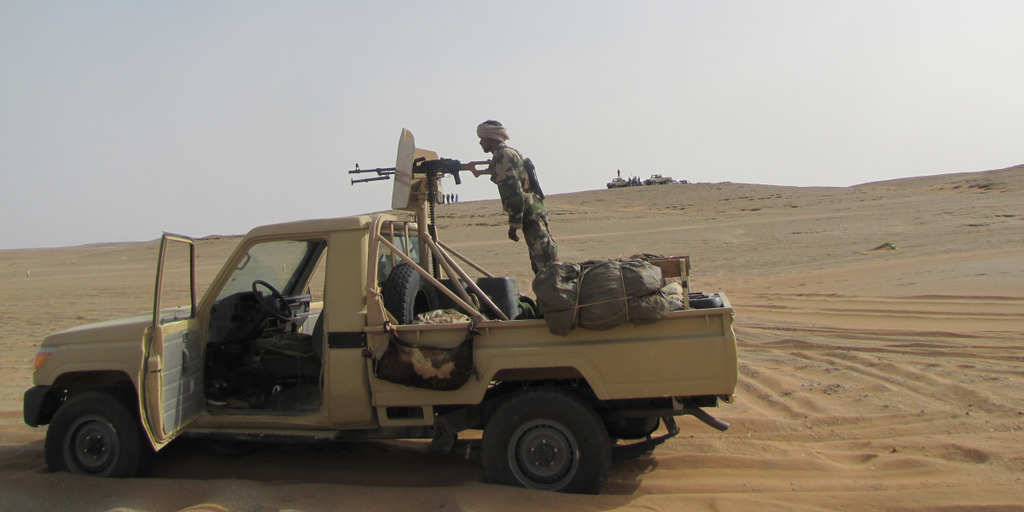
x: 599, y: 295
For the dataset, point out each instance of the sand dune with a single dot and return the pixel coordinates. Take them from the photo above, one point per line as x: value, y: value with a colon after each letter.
x: 881, y: 330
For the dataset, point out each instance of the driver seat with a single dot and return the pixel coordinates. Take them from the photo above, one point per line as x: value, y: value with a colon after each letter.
x: 296, y: 356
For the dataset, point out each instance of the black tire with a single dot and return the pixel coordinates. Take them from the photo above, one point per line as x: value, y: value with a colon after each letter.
x: 547, y: 440
x: 705, y: 301
x: 407, y: 294
x: 95, y: 434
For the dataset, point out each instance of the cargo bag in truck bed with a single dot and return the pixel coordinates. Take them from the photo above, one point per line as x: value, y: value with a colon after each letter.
x: 599, y: 295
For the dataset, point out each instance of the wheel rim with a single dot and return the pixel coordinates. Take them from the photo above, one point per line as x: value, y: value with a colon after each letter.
x: 543, y: 455
x: 92, y: 446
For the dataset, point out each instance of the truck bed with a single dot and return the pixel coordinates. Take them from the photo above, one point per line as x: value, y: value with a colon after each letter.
x: 616, y: 363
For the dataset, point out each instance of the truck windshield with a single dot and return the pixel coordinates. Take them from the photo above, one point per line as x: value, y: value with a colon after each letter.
x: 281, y: 263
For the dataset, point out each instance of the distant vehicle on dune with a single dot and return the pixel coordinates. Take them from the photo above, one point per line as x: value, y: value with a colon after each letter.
x: 618, y: 183
x: 657, y: 179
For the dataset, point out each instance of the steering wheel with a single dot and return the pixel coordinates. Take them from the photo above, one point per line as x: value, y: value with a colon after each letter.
x: 283, y: 311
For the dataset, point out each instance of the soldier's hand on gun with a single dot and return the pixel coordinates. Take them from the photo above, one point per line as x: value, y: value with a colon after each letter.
x: 512, y: 235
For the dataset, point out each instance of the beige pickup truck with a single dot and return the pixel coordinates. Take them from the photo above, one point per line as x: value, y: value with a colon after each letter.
x: 657, y: 179
x: 306, y: 332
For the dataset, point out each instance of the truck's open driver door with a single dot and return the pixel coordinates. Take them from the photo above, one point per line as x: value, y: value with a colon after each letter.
x: 171, y: 379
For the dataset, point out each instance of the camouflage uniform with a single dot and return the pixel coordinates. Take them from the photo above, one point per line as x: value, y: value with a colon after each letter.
x: 525, y: 210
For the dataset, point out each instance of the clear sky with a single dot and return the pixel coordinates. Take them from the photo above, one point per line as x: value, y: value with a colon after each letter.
x: 122, y: 119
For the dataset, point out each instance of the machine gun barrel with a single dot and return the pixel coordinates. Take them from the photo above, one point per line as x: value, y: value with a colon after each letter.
x: 374, y: 178
x: 381, y: 171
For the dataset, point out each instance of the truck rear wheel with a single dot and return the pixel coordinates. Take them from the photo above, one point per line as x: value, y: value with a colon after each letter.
x: 407, y: 294
x: 547, y: 440
x: 95, y: 434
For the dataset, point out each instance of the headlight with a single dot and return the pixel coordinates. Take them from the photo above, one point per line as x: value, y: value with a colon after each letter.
x: 42, y: 355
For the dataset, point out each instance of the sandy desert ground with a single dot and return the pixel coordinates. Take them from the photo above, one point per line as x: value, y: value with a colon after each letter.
x: 881, y: 332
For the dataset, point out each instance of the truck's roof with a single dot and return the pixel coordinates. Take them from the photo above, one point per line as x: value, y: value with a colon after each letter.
x: 356, y: 222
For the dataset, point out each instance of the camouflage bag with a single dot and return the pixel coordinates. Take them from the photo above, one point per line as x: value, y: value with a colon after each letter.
x: 599, y: 295
x: 442, y: 369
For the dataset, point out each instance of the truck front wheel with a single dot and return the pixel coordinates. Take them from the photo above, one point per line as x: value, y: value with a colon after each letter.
x: 548, y: 440
x: 95, y: 434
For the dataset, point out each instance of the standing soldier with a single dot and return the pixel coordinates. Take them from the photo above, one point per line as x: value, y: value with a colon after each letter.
x: 521, y: 199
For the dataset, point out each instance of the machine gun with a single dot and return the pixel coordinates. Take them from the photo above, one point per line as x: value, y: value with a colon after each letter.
x: 417, y: 176
x: 430, y: 168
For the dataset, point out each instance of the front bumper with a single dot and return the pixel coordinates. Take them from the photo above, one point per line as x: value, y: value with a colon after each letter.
x: 38, y: 406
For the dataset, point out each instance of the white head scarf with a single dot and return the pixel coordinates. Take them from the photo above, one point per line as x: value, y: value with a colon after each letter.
x: 489, y: 131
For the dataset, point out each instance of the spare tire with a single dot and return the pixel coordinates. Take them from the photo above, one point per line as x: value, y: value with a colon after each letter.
x: 406, y: 294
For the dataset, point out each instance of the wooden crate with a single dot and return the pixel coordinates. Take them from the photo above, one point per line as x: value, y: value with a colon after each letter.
x: 675, y: 266
x: 676, y: 269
